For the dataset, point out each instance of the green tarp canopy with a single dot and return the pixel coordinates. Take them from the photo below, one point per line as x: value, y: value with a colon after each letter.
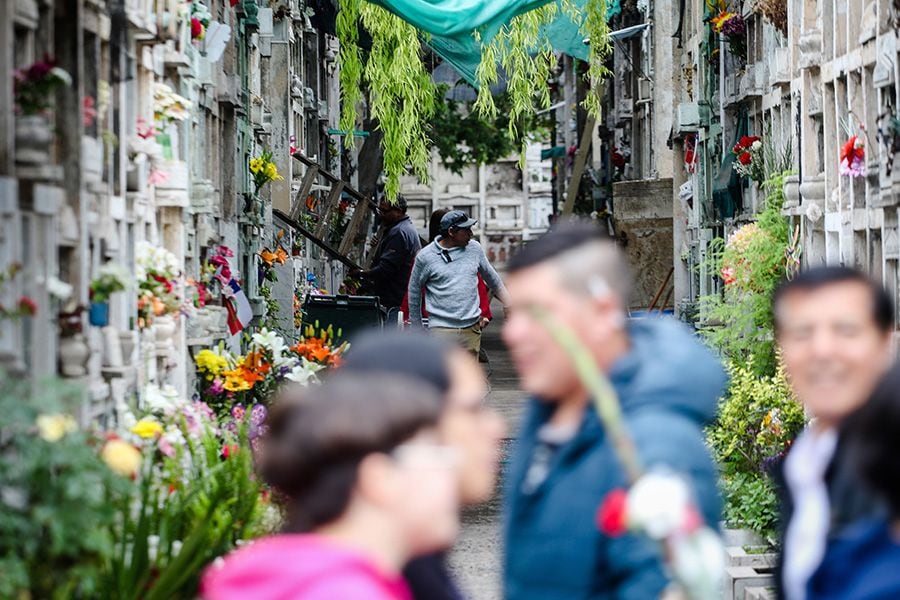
x: 459, y: 18
x: 463, y: 52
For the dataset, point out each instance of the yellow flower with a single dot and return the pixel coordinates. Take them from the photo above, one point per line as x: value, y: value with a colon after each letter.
x: 256, y: 165
x: 272, y: 171
x: 719, y: 21
x: 121, y: 457
x: 147, y: 428
x: 235, y: 383
x: 209, y: 361
x: 54, y: 427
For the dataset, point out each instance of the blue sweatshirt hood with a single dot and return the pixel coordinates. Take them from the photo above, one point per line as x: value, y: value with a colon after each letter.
x: 667, y: 367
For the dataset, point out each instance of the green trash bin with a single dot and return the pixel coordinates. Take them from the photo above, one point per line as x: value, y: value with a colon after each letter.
x: 345, y: 315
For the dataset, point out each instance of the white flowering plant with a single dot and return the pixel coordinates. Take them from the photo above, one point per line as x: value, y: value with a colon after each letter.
x: 111, y: 278
x: 169, y: 106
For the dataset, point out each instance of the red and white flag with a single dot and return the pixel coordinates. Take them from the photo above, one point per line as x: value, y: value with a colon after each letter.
x: 240, y: 313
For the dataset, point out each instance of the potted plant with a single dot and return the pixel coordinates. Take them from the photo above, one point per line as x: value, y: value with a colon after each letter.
x: 111, y: 279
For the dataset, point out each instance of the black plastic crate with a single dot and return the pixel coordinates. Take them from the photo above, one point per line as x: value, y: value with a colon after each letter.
x: 344, y: 314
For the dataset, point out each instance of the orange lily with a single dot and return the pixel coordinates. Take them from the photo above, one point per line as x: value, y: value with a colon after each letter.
x: 268, y: 256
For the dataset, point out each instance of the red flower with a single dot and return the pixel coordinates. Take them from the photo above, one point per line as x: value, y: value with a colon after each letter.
x: 229, y: 450
x: 850, y: 150
x: 728, y: 275
x: 27, y: 305
x: 196, y: 28
x: 747, y: 141
x: 746, y: 158
x: 611, y: 516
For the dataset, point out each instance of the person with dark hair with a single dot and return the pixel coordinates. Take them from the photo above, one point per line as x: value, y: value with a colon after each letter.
x: 366, y: 486
x: 861, y: 563
x: 833, y: 326
x: 484, y: 298
x: 447, y: 269
x: 393, y: 258
x: 466, y: 424
x: 563, y: 464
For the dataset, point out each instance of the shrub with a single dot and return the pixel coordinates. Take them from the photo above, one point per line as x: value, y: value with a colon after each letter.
x: 757, y: 422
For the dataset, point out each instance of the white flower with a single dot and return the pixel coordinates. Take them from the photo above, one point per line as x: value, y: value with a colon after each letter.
x: 58, y: 289
x: 266, y: 339
x: 698, y: 560
x: 305, y: 372
x: 658, y: 504
x: 124, y: 416
x: 161, y: 400
x: 176, y: 548
x: 62, y: 75
x: 756, y: 145
x: 116, y: 271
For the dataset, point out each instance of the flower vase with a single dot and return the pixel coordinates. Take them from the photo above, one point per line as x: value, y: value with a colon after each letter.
x: 73, y: 356
x: 165, y: 140
x: 33, y: 138
x: 164, y: 331
x: 99, y: 314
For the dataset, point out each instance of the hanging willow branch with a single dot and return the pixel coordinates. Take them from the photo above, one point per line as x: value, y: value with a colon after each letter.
x: 401, y: 94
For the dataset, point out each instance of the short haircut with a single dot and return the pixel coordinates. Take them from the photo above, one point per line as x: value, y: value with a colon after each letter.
x: 400, y: 202
x: 820, y: 277
x: 318, y: 437
x: 586, y: 256
x: 434, y: 224
x: 872, y: 436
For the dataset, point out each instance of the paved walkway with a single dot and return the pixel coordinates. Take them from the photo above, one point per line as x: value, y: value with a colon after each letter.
x: 476, y: 557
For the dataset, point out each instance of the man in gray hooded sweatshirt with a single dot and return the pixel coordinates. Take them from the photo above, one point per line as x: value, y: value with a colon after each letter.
x: 448, y: 269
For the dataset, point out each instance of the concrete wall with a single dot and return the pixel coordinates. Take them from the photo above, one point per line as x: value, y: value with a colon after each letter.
x: 643, y: 217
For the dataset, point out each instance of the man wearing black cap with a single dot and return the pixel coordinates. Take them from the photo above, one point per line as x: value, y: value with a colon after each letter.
x: 393, y: 258
x: 448, y: 270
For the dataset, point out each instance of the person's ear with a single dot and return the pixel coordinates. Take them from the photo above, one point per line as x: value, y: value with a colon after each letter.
x: 375, y: 479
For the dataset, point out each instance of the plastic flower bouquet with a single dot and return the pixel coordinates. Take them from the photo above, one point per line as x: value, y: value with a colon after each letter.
x: 34, y: 86
x: 158, y: 274
x: 263, y: 170
x: 853, y: 157
x: 749, y: 161
x: 112, y: 278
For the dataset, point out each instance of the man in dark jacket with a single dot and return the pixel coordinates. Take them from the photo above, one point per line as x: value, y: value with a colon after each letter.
x: 394, y: 257
x: 833, y: 325
x: 563, y: 465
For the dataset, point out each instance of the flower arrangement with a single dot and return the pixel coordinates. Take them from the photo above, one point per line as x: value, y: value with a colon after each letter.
x: 263, y: 170
x: 112, y: 278
x: 33, y: 86
x: 226, y: 380
x: 158, y: 274
x: 168, y: 106
x: 750, y: 160
x: 733, y: 28
x: 853, y: 157
x: 25, y: 306
x: 200, y: 18
x: 215, y: 275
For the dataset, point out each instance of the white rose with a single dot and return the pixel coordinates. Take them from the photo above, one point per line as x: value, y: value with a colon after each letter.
x: 756, y: 145
x: 658, y: 503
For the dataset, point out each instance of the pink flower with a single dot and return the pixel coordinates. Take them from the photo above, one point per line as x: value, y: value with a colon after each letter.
x: 27, y: 306
x: 196, y: 29
x: 611, y: 516
x: 216, y: 387
x: 157, y: 177
x: 225, y: 251
x: 165, y: 446
x: 88, y: 112
x: 145, y: 131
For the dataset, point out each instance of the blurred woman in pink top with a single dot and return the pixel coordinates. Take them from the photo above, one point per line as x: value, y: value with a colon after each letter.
x: 366, y: 487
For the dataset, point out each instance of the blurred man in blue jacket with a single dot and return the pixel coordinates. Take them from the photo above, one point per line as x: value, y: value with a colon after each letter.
x: 563, y: 465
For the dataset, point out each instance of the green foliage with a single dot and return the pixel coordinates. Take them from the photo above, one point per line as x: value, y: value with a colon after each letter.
x: 464, y: 137
x: 56, y: 521
x: 401, y: 92
x: 739, y: 323
x: 191, y: 508
x: 755, y: 425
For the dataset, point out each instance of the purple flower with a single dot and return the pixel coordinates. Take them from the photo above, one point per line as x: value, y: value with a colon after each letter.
x: 734, y: 27
x: 238, y: 412
x: 258, y: 415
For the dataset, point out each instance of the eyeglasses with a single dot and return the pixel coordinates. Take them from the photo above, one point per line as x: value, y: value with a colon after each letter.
x: 427, y: 455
